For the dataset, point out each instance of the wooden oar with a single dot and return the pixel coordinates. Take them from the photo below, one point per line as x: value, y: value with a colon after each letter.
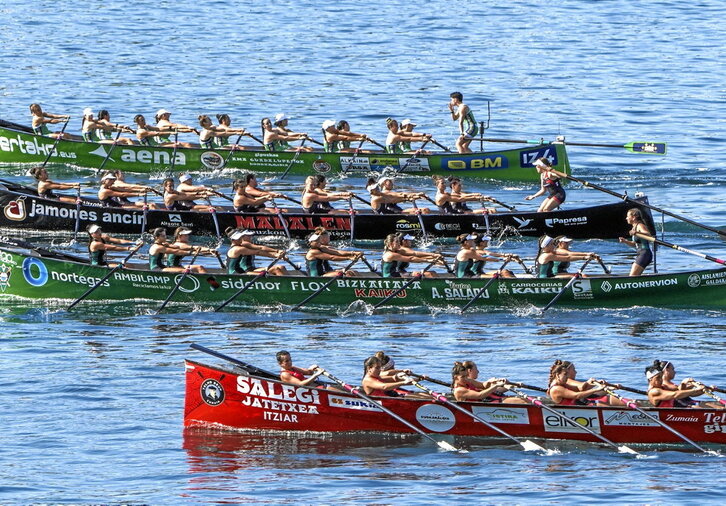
x: 361, y: 199
x: 220, y: 194
x: 632, y: 405
x: 483, y: 289
x: 709, y: 391
x: 402, y: 169
x: 527, y: 445
x: 528, y: 387
x: 247, y: 285
x: 624, y: 197
x: 357, y: 392
x: 408, y: 283
x: 55, y: 143
x: 541, y: 405
x: 650, y: 148
x: 244, y: 365
x: 292, y: 200
x: 377, y: 144
x: 681, y: 248
x: 572, y: 280
x: 110, y: 273
x: 110, y: 150
x: 229, y: 155
x: 500, y: 203
x: 78, y: 215
x: 179, y: 282
x: 440, y: 145
x: 313, y: 141
x: 423, y: 377
x: 618, y: 386
x: 294, y: 159
x: 145, y: 213
x: 326, y: 285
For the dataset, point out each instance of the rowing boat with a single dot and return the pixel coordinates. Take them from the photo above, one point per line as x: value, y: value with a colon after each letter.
x: 240, y: 399
x: 18, y: 144
x: 35, y: 273
x: 22, y: 208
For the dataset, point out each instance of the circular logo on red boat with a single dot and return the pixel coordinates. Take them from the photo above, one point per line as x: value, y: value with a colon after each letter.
x: 435, y: 418
x: 211, y: 160
x: 212, y: 392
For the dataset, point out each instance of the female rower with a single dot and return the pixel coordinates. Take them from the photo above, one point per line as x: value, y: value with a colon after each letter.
x: 187, y: 186
x: 669, y: 372
x: 344, y: 145
x: 550, y: 184
x: 103, y: 134
x: 41, y: 120
x: 121, y: 184
x: 644, y: 256
x: 209, y: 132
x: 161, y: 248
x: 247, y: 199
x: 46, y: 186
x: 376, y: 385
x: 182, y: 245
x: 393, y: 259
x: 149, y: 135
x: 466, y: 387
x: 225, y: 126
x: 320, y: 255
x: 547, y: 255
x: 562, y: 247
x: 385, y: 201
x: 459, y: 199
x: 481, y: 245
x: 99, y: 243
x: 564, y: 389
x: 163, y: 123
x: 663, y: 397
x: 406, y: 128
x: 241, y: 255
x: 337, y: 137
x: 468, y: 259
x: 89, y: 126
x: 296, y: 375
x: 116, y: 197
x: 316, y: 200
x: 397, y: 136
x: 182, y: 201
x: 277, y: 137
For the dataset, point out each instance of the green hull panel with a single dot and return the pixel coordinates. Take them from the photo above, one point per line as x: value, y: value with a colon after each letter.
x: 34, y: 277
x: 513, y: 164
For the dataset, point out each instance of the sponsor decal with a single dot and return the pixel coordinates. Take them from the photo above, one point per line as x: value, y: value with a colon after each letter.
x: 715, y: 423
x: 491, y: 162
x: 628, y: 418
x: 552, y: 287
x: 211, y: 160
x: 407, y: 225
x: 656, y: 283
x: 376, y: 283
x: 59, y: 210
x: 447, y: 226
x: 5, y: 271
x: 195, y: 283
x: 502, y: 415
x: 270, y: 223
x: 354, y: 163
x: 321, y: 166
x: 415, y: 164
x: 521, y: 222
x: 33, y: 146
x: 457, y: 291
x: 435, y: 418
x: 337, y: 401
x: 585, y: 417
x: 715, y: 278
x: 257, y: 285
x: 35, y: 272
x: 670, y: 417
x: 76, y: 279
x: 566, y: 222
x: 15, y: 209
x: 528, y: 157
x: 160, y: 156
x: 502, y: 289
x: 582, y: 289
x: 694, y: 280
x: 279, y: 402
x: 100, y: 151
x: 383, y: 162
x: 212, y: 392
x: 606, y: 286
x: 378, y: 294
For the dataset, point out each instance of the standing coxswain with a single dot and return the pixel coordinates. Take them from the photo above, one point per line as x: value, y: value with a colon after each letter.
x: 644, y: 255
x: 550, y: 183
x: 462, y: 114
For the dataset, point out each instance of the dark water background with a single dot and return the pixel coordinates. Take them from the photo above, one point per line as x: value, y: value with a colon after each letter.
x: 92, y: 400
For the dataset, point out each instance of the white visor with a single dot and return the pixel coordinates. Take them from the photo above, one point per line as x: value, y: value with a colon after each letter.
x: 328, y: 123
x: 280, y: 117
x: 87, y: 112
x: 161, y: 112
x: 541, y: 165
x: 565, y: 239
x: 185, y: 177
x: 546, y: 241
x: 93, y: 229
x: 408, y: 237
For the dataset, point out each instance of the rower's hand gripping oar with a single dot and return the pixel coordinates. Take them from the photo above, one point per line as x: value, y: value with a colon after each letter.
x: 326, y: 285
x: 527, y: 445
x: 250, y: 283
x: 357, y: 392
x: 681, y: 248
x: 571, y: 282
x: 110, y: 273
x: 572, y: 422
x: 632, y: 405
x: 483, y: 289
x: 179, y: 281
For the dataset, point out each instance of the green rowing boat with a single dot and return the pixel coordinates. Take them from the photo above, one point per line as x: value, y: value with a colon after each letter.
x: 39, y: 274
x: 20, y: 145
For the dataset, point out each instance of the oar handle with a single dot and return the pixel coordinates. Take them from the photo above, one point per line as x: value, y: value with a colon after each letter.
x: 377, y: 144
x: 435, y: 143
x: 360, y: 199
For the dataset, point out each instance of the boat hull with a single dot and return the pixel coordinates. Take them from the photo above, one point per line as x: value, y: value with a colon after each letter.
x: 20, y: 207
x: 37, y: 275
x: 17, y: 145
x: 224, y: 398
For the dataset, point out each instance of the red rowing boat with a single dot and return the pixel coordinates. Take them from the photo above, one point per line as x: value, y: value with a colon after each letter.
x: 253, y: 400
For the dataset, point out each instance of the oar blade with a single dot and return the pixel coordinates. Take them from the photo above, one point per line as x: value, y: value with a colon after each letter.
x: 627, y: 449
x: 648, y: 148
x: 531, y: 446
x: 449, y: 448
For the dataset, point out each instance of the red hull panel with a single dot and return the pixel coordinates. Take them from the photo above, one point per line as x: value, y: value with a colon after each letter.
x: 216, y: 396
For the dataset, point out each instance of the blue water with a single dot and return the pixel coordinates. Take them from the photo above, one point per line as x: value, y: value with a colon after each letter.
x: 92, y: 400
